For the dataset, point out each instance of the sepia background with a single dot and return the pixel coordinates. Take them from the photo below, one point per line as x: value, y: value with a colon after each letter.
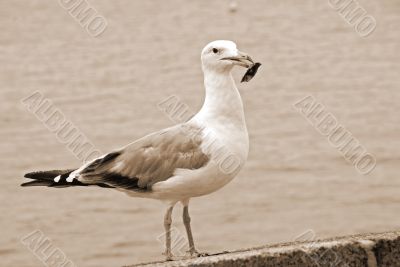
x: 109, y: 87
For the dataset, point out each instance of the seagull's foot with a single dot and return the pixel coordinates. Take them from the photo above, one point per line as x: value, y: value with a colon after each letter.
x: 193, y: 253
x: 168, y: 256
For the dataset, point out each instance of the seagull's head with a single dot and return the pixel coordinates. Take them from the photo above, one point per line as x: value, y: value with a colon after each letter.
x: 222, y: 55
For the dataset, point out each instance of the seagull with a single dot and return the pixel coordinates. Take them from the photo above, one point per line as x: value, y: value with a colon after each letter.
x: 187, y: 160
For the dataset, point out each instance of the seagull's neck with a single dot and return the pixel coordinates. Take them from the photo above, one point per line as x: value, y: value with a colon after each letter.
x: 222, y: 100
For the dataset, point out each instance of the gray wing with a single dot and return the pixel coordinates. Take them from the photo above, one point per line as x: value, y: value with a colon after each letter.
x: 149, y: 160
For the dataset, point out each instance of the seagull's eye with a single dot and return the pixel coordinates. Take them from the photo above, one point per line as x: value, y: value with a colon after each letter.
x: 215, y: 50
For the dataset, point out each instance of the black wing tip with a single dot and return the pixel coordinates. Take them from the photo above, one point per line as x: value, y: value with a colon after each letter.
x: 46, y: 175
x: 61, y: 184
x: 24, y: 184
x: 36, y: 183
x: 30, y: 174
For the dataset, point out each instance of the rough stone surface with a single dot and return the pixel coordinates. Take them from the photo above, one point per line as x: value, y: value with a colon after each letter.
x: 367, y: 250
x: 387, y: 252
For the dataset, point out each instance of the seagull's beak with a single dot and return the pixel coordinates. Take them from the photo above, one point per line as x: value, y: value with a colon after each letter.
x: 242, y: 59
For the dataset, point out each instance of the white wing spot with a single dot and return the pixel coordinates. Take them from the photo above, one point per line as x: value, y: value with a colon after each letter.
x: 73, y: 175
x: 57, y: 179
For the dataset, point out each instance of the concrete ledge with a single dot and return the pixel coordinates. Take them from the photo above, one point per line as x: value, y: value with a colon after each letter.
x: 367, y: 250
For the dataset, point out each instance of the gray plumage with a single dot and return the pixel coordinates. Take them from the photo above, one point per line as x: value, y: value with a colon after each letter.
x: 141, y: 164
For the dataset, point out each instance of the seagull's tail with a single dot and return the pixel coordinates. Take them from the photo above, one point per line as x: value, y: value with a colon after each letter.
x: 46, y: 178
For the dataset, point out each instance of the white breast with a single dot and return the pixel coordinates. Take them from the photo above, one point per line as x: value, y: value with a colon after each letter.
x: 225, y: 138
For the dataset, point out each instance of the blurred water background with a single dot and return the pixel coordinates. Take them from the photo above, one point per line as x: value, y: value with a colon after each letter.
x: 109, y: 87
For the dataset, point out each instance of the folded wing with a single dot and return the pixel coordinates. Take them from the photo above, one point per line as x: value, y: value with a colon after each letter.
x: 149, y: 160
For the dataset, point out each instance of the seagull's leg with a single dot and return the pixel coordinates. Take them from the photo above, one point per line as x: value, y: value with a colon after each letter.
x: 167, y: 226
x: 186, y: 222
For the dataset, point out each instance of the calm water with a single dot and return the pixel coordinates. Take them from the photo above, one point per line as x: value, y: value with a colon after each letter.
x: 110, y: 86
